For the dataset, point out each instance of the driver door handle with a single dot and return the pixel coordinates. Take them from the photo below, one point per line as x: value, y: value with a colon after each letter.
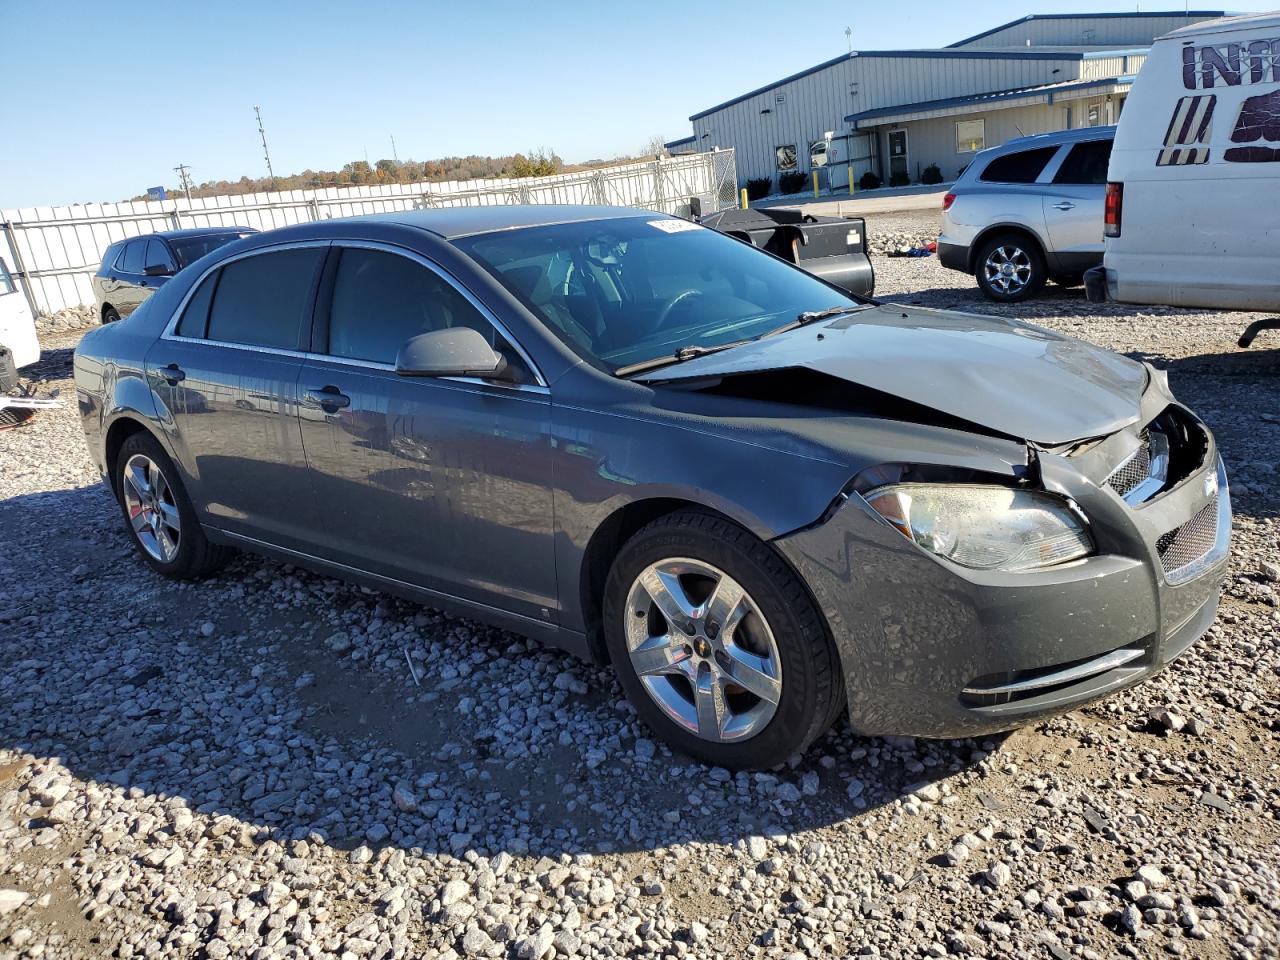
x: 172, y: 374
x: 329, y: 398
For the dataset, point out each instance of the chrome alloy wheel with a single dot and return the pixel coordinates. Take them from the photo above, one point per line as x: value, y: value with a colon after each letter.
x: 703, y: 650
x: 153, y: 512
x: 1008, y: 268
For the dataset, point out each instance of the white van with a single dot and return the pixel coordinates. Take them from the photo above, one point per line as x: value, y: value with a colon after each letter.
x: 1192, y: 214
x: 18, y: 343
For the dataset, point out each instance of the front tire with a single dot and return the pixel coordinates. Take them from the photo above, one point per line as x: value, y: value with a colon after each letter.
x: 718, y: 644
x: 109, y: 315
x: 1010, y: 268
x: 158, y: 514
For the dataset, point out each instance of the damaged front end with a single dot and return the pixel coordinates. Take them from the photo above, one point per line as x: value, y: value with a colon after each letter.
x: 1107, y: 565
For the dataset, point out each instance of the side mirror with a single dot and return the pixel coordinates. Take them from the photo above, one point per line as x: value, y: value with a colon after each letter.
x: 456, y: 352
x: 158, y: 270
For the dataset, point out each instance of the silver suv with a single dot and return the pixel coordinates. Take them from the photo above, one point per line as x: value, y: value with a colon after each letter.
x: 1029, y: 211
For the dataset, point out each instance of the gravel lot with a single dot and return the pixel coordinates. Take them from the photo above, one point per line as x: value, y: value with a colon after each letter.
x: 247, y: 767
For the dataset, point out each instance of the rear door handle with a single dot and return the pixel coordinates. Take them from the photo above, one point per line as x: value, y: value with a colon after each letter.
x: 330, y: 398
x: 172, y: 374
x: 1064, y: 205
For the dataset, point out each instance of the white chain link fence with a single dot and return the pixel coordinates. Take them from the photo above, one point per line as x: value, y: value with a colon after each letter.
x: 53, y: 251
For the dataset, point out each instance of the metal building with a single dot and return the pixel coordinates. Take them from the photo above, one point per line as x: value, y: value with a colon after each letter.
x: 896, y: 112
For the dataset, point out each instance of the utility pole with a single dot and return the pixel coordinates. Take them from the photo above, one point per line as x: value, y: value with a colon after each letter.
x: 181, y: 170
x: 265, y: 152
x: 396, y: 157
x: 848, y: 35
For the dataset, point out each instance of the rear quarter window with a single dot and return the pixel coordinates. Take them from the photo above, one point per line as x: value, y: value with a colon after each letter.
x: 1021, y: 167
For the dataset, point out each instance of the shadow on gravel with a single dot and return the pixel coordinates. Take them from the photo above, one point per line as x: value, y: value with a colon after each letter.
x: 269, y: 722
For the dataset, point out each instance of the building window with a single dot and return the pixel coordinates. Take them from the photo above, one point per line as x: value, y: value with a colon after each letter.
x: 786, y: 157
x: 971, y: 136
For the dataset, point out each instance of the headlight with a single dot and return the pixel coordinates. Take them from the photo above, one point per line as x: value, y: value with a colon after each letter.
x: 986, y: 528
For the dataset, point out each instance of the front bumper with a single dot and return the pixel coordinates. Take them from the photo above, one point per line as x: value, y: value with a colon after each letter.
x: 931, y: 649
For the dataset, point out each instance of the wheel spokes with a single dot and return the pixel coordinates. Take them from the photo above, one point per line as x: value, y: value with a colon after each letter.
x: 724, y: 609
x: 709, y: 699
x: 660, y: 655
x: 668, y: 595
x: 750, y: 672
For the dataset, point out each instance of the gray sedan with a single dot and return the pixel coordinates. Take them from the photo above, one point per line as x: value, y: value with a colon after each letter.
x: 764, y: 501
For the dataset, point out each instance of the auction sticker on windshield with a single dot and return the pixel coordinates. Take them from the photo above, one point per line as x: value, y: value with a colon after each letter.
x: 674, y: 226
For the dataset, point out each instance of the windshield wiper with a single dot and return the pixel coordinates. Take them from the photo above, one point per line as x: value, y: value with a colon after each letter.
x: 684, y: 353
x: 809, y: 316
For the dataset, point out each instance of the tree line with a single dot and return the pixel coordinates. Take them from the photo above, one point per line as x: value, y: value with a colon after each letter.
x: 539, y: 163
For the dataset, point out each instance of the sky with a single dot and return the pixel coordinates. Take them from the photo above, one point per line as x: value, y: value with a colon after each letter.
x: 101, y: 101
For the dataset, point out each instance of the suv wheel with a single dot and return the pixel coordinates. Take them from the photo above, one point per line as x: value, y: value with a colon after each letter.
x: 109, y: 315
x: 717, y: 643
x: 1010, y: 268
x: 158, y: 514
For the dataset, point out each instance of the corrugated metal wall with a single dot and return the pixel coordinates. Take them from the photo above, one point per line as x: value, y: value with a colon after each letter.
x: 1100, y: 68
x: 1084, y: 30
x: 818, y: 102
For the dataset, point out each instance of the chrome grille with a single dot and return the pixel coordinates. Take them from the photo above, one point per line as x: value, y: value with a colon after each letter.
x: 1133, y: 471
x: 1186, y: 544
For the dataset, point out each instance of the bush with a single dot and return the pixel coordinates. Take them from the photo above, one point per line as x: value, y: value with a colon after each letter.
x: 792, y: 182
x: 759, y: 187
x: 931, y: 174
x: 870, y: 181
x: 899, y: 180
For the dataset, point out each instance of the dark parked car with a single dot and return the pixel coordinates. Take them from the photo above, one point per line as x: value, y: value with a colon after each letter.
x: 764, y: 500
x: 135, y: 268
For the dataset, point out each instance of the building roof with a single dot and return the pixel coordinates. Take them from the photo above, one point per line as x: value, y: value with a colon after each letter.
x: 1000, y: 99
x: 1201, y: 14
x: 679, y: 143
x: 945, y: 54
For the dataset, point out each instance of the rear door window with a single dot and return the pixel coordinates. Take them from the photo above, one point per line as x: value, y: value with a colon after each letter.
x: 131, y: 260
x: 158, y: 255
x: 260, y: 300
x: 1021, y: 167
x: 1086, y: 163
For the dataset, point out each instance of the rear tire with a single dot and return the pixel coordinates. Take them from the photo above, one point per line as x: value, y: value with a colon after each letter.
x: 751, y: 676
x: 109, y: 315
x: 158, y: 514
x: 1010, y: 268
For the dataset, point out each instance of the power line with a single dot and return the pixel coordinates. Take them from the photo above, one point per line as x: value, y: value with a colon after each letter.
x: 181, y: 170
x: 265, y: 152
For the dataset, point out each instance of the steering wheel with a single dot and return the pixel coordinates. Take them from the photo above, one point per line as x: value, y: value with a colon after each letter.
x: 671, y: 304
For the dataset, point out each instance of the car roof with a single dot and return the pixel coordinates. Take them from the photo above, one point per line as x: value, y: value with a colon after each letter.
x: 199, y: 232
x: 1057, y: 137
x: 453, y: 222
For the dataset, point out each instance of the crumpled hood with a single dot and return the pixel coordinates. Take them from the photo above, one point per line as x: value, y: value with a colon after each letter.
x: 1013, y: 378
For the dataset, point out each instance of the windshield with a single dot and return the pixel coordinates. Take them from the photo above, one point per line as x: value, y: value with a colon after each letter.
x: 190, y: 249
x: 620, y: 292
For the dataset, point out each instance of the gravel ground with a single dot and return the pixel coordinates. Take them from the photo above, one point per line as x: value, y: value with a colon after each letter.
x: 248, y: 766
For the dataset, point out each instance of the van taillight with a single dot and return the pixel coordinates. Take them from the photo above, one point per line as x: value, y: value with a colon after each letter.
x: 1111, y: 210
x: 947, y: 201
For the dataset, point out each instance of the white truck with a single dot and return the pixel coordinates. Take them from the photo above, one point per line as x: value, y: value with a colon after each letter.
x: 1192, y: 215
x: 19, y: 347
